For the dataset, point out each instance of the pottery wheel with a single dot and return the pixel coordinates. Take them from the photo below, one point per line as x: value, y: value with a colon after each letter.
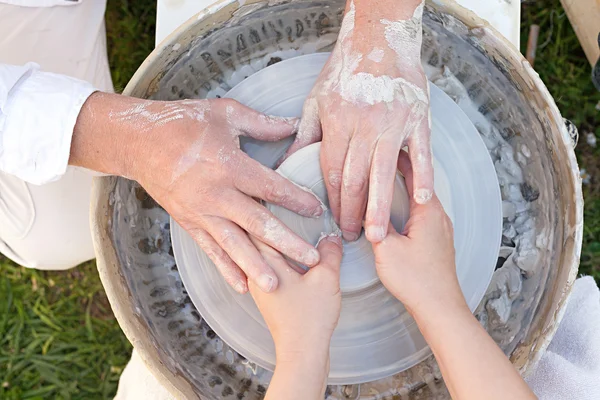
x: 375, y: 337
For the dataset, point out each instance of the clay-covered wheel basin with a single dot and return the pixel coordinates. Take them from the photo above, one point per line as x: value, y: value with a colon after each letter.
x: 488, y: 78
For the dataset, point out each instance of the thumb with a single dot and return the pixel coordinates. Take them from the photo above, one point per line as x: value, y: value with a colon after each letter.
x: 309, y: 128
x: 260, y: 126
x: 393, y: 240
x: 392, y: 245
x: 330, y: 249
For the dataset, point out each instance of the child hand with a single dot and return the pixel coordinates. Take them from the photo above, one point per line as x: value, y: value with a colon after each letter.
x: 304, y: 310
x: 418, y: 265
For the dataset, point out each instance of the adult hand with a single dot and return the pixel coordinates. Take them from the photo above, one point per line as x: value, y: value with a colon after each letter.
x: 371, y: 100
x: 186, y: 155
x: 418, y: 265
x: 302, y: 315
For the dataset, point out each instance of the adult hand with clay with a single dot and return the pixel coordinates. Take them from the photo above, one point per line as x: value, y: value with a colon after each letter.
x: 186, y: 155
x: 418, y: 268
x: 370, y: 101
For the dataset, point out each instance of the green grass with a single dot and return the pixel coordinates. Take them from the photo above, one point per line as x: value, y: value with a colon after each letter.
x: 130, y: 27
x: 58, y: 338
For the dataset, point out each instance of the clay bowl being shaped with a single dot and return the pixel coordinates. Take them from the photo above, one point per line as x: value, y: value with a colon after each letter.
x: 372, y: 321
x: 486, y: 77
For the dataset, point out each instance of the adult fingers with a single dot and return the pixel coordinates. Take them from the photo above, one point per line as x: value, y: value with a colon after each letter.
x: 381, y: 189
x: 235, y: 242
x: 260, y: 222
x: 405, y: 167
x: 278, y: 262
x: 419, y: 148
x: 258, y: 125
x: 355, y: 186
x: 256, y: 180
x: 309, y: 129
x: 333, y: 154
x: 230, y: 271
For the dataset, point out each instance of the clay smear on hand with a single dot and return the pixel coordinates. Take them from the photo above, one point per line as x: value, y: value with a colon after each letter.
x: 376, y: 55
x: 363, y: 88
x: 144, y: 118
x: 404, y: 37
x: 147, y: 115
x: 195, y: 110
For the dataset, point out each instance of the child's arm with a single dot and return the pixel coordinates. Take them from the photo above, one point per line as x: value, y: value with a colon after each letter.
x: 418, y: 268
x: 301, y: 375
x: 472, y: 364
x: 301, y: 315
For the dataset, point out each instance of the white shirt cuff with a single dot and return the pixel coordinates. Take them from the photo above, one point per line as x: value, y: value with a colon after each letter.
x: 36, y: 124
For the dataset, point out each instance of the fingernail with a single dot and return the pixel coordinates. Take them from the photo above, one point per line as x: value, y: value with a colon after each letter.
x: 350, y: 236
x: 318, y: 211
x: 334, y: 239
x: 376, y: 233
x: 422, y: 196
x: 312, y: 257
x: 265, y: 283
x: 240, y: 287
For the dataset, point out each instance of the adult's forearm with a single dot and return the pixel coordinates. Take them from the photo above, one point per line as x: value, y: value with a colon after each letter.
x: 114, y: 134
x: 371, y: 12
x: 387, y: 32
x: 472, y: 365
x: 96, y: 143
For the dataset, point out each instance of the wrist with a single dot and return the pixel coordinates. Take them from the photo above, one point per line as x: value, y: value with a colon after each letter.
x: 308, y: 364
x: 300, y: 374
x: 99, y: 143
x: 368, y: 11
x: 291, y: 349
x: 433, y: 314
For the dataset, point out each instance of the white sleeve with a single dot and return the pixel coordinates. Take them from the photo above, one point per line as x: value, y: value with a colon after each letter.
x: 38, y: 111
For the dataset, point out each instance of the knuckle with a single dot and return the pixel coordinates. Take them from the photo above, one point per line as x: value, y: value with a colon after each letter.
x: 376, y: 214
x: 355, y: 186
x: 256, y: 222
x: 228, y: 240
x: 276, y: 192
x: 216, y: 254
x: 228, y: 276
x: 227, y: 102
x: 351, y: 224
x: 335, y: 178
x: 229, y: 272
